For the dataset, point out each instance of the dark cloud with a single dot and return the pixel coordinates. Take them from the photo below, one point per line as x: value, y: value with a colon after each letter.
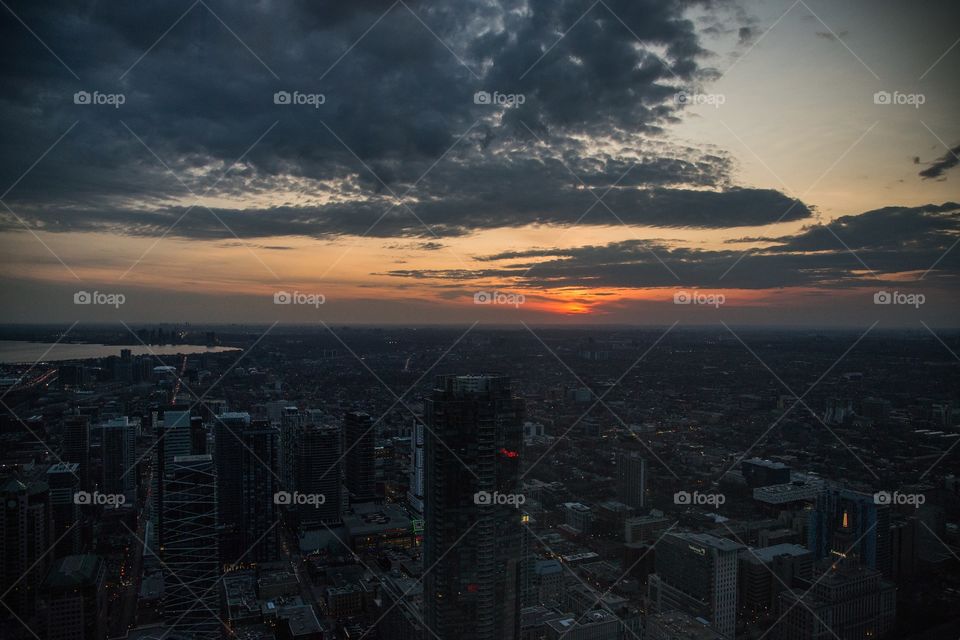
x: 399, y: 87
x: 890, y: 241
x: 947, y: 161
x: 828, y: 35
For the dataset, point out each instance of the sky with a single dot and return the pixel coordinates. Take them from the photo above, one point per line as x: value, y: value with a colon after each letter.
x: 545, y: 161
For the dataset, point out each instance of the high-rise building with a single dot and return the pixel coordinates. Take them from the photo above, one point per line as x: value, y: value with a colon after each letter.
x: 246, y: 461
x: 361, y: 472
x: 473, y: 528
x: 64, y: 485
x: 72, y: 597
x: 228, y: 456
x: 291, y: 420
x: 198, y: 436
x: 24, y: 542
x: 76, y: 446
x: 318, y: 472
x: 118, y: 444
x: 415, y: 492
x: 258, y: 531
x: 849, y: 602
x: 851, y: 525
x: 189, y: 547
x: 176, y: 434
x: 697, y: 574
x: 631, y: 479
x: 763, y: 573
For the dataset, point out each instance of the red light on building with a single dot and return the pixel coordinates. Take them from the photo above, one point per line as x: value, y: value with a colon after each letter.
x: 509, y: 454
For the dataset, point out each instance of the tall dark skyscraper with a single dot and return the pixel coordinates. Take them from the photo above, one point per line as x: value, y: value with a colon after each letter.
x: 361, y: 473
x: 318, y: 471
x: 473, y: 532
x: 246, y: 461
x: 631, y: 479
x: 64, y: 511
x: 76, y: 446
x: 190, y: 546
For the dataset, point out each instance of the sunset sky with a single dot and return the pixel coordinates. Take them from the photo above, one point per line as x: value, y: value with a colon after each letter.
x: 791, y: 159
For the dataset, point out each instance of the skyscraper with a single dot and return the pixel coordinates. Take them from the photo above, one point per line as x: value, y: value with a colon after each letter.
x: 76, y: 446
x: 473, y: 532
x: 176, y: 434
x: 851, y: 525
x: 361, y: 473
x: 258, y: 535
x: 290, y: 422
x: 631, y: 479
x: 318, y: 472
x: 24, y: 541
x: 64, y: 511
x: 72, y: 597
x: 415, y: 492
x: 697, y: 574
x: 189, y: 546
x: 246, y: 481
x: 118, y: 444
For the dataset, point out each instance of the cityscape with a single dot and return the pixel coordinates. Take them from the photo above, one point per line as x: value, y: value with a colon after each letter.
x: 480, y: 320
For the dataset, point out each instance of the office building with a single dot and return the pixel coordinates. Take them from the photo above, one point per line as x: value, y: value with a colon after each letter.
x: 189, y: 547
x: 850, y: 525
x: 72, y: 597
x: 415, y: 492
x: 763, y: 573
x: 677, y: 625
x: 361, y: 472
x: 25, y: 538
x: 472, y: 594
x: 64, y: 484
x: 631, y: 479
x: 75, y: 447
x: 318, y: 470
x: 246, y: 462
x: 849, y: 602
x: 697, y: 574
x: 763, y: 473
x: 175, y: 434
x: 118, y: 445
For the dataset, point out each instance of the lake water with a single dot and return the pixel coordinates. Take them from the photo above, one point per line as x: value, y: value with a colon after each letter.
x: 15, y: 351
